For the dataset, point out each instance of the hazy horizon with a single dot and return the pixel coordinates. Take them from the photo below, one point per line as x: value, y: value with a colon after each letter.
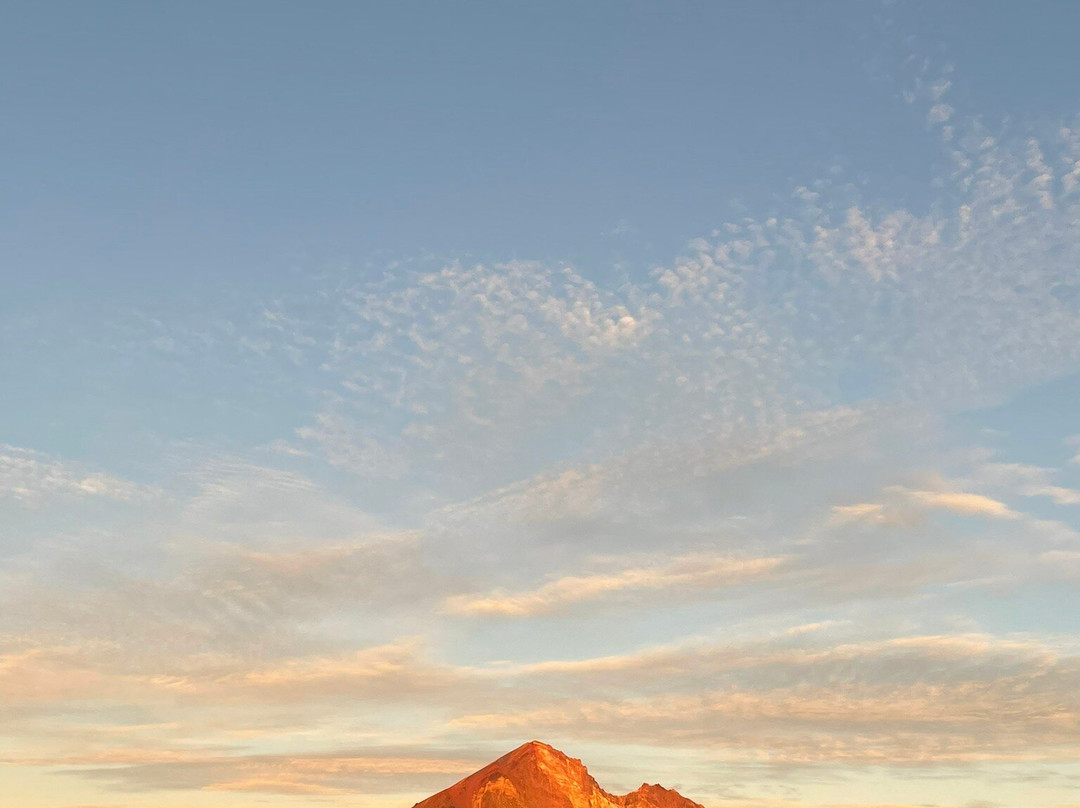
x: 690, y: 386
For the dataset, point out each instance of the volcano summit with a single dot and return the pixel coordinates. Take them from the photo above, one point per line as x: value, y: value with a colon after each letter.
x: 536, y: 775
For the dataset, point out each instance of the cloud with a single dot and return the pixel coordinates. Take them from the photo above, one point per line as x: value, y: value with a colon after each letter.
x: 347, y: 447
x: 225, y: 600
x: 465, y: 351
x: 29, y: 477
x: 1060, y: 496
x: 875, y: 513
x: 332, y: 773
x: 393, y: 673
x: 234, y: 499
x: 1065, y: 564
x: 939, y: 113
x: 927, y: 700
x: 963, y: 503
x: 573, y: 494
x: 655, y: 493
x: 454, y: 376
x: 445, y: 372
x: 1025, y: 480
x: 683, y: 576
x: 792, y: 699
x: 906, y: 506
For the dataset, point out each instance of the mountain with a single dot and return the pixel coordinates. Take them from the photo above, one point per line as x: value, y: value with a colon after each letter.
x: 536, y: 775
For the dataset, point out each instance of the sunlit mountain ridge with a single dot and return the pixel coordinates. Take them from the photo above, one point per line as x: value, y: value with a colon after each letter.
x: 536, y: 775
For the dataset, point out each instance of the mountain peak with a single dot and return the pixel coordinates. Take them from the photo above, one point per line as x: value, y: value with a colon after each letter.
x: 537, y: 775
x: 656, y: 796
x: 534, y: 749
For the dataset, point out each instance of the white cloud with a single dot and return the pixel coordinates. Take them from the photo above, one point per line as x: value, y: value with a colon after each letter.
x: 874, y: 513
x: 939, y: 113
x: 1024, y: 480
x: 903, y: 506
x: 681, y: 576
x: 929, y: 700
x: 349, y: 447
x: 1060, y: 496
x: 29, y: 477
x: 964, y: 503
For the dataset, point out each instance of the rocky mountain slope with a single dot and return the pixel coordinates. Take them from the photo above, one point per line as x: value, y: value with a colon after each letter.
x: 536, y: 775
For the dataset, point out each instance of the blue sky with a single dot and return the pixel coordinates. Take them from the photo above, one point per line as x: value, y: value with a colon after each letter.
x: 177, y: 145
x: 691, y: 386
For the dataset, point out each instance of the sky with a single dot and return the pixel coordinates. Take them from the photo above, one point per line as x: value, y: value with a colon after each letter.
x: 691, y: 386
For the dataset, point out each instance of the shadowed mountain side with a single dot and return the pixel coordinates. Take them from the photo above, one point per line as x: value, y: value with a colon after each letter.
x: 536, y: 775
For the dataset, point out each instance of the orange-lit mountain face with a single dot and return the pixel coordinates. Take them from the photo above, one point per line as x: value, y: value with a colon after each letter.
x: 539, y: 776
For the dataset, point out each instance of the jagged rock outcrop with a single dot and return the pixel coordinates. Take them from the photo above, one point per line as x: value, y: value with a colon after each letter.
x: 536, y: 775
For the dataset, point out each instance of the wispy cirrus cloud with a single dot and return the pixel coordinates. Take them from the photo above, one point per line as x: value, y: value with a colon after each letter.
x: 906, y: 506
x: 936, y: 700
x: 325, y: 774
x: 964, y: 503
x: 795, y: 699
x: 28, y: 477
x: 763, y: 321
x: 680, y: 576
x: 214, y: 600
